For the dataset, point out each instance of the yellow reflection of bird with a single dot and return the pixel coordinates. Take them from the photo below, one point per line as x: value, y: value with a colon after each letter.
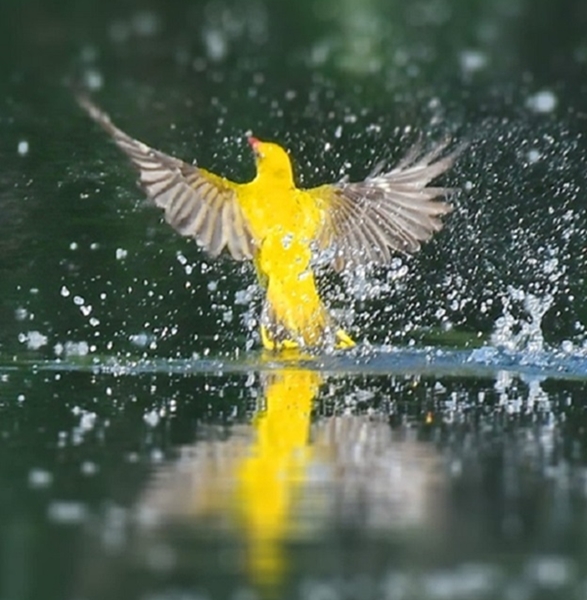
x: 271, y: 479
x: 280, y: 227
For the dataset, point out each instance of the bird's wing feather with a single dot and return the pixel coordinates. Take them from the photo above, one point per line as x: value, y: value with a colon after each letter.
x: 395, y: 211
x: 197, y: 203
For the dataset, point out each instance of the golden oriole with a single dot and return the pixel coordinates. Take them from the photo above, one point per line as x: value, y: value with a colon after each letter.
x: 280, y: 227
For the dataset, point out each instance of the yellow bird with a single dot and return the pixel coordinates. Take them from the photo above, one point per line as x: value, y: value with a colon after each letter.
x: 281, y: 227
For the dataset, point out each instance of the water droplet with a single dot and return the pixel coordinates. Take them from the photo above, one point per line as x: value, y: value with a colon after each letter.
x: 66, y: 512
x: 544, y: 101
x: 23, y: 148
x: 39, y: 478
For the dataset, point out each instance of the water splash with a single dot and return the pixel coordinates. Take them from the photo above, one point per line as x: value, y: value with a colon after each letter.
x: 525, y: 335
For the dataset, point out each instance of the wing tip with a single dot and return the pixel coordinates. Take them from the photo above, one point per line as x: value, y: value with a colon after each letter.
x: 82, y: 97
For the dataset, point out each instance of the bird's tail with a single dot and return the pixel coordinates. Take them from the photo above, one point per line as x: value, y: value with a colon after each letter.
x: 295, y: 317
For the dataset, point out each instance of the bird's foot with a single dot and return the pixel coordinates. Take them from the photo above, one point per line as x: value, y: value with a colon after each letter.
x: 342, y: 341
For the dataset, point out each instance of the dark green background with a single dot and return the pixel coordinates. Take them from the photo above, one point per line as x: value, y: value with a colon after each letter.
x: 385, y: 72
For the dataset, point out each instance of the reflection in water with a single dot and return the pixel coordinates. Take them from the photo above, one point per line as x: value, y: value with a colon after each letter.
x: 252, y: 481
x: 338, y: 487
x: 283, y: 479
x: 271, y: 478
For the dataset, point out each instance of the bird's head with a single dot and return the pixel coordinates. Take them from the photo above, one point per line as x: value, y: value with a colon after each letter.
x: 272, y: 161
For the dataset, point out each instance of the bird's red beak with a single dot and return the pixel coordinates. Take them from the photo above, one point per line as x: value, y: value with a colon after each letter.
x: 253, y: 142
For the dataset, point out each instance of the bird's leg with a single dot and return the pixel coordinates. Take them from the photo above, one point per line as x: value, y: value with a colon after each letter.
x: 343, y: 340
x: 270, y: 343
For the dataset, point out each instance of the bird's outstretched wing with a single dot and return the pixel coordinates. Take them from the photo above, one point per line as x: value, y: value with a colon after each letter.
x: 197, y: 203
x: 363, y: 223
